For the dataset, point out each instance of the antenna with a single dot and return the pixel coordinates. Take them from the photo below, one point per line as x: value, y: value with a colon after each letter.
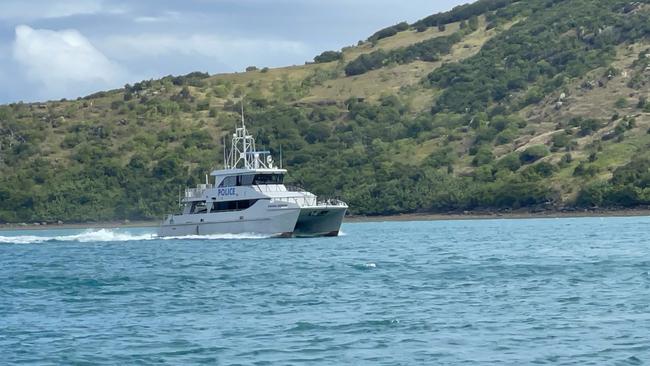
x: 243, y: 133
x: 225, y: 163
x: 280, y: 156
x: 242, y: 112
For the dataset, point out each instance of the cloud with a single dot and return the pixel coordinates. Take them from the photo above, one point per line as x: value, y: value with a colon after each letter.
x: 64, y: 62
x: 233, y: 52
x: 165, y: 17
x: 44, y: 9
x: 119, y: 41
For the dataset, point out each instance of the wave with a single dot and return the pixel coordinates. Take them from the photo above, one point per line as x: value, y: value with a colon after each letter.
x: 217, y: 237
x: 108, y: 235
x: 365, y: 266
x: 88, y: 236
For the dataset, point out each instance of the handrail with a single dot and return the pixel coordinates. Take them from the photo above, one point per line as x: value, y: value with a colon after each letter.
x: 295, y: 188
x: 197, y: 192
x: 332, y: 202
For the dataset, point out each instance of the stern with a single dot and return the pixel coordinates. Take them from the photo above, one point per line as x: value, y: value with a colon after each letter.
x: 320, y: 221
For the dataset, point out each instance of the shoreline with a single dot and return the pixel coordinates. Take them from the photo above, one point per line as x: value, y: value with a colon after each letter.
x: 468, y: 215
x: 495, y: 215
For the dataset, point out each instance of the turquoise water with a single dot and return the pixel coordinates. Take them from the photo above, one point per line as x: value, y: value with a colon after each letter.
x: 508, y: 292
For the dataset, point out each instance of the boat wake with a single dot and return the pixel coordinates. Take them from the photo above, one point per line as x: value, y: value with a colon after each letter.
x: 216, y: 237
x: 108, y: 235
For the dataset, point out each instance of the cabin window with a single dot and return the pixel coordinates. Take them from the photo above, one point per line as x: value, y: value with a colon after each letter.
x: 268, y: 179
x: 232, y: 205
x: 237, y: 181
x: 245, y: 180
x: 228, y: 182
x: 199, y: 207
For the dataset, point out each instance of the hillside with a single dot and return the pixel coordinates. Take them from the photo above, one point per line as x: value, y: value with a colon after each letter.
x: 495, y: 105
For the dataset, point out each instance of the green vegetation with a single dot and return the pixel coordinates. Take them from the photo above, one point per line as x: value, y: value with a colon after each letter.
x: 628, y: 187
x: 519, y: 67
x: 429, y: 50
x: 389, y: 32
x: 526, y: 106
x: 463, y: 12
x: 328, y: 56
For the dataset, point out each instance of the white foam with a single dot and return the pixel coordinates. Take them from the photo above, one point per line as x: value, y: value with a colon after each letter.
x: 101, y: 235
x: 108, y: 235
x: 23, y: 239
x: 218, y: 237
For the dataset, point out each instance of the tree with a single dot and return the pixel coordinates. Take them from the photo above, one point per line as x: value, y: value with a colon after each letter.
x: 328, y: 56
x: 509, y: 162
x: 483, y: 156
x: 533, y: 153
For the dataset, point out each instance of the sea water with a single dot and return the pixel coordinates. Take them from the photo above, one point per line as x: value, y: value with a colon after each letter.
x: 508, y: 292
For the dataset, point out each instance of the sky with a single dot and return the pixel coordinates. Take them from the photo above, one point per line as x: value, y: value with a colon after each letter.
x: 53, y: 49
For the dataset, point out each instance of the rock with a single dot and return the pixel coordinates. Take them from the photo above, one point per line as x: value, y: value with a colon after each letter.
x: 59, y: 222
x: 588, y: 85
x: 37, y: 224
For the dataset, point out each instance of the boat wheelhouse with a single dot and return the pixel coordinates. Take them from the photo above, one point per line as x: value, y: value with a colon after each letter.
x: 249, y: 196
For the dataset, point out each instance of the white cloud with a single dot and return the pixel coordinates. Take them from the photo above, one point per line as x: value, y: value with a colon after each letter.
x: 40, y: 9
x: 165, y: 17
x: 231, y: 51
x: 64, y: 62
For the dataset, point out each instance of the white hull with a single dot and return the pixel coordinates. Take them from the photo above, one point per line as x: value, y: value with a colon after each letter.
x: 259, y: 219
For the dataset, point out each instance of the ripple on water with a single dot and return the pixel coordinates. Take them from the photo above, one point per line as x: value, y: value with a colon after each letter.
x: 512, y: 292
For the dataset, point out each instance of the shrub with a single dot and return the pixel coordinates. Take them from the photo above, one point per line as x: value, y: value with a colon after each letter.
x: 589, y: 126
x: 620, y: 103
x: 561, y: 141
x: 483, y: 156
x: 584, y: 169
x: 389, y: 32
x: 328, y: 56
x: 203, y: 105
x: 509, y: 162
x: 365, y: 63
x: 506, y: 136
x: 533, y: 153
